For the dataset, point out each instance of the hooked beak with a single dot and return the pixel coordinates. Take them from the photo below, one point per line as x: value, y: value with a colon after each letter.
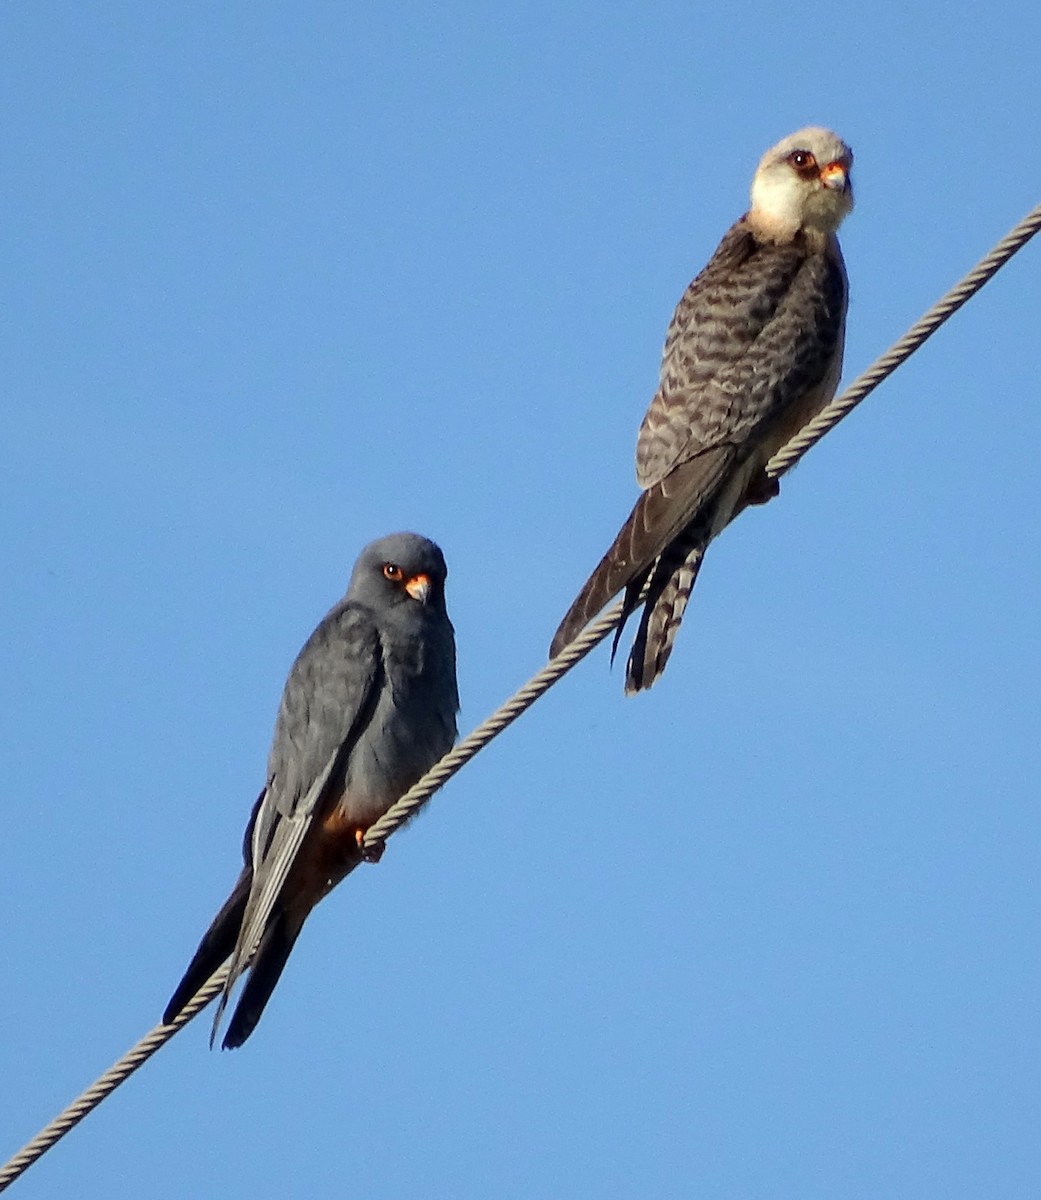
x: 835, y: 177
x: 418, y: 587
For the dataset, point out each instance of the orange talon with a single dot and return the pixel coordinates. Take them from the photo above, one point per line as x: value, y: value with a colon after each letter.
x: 369, y: 854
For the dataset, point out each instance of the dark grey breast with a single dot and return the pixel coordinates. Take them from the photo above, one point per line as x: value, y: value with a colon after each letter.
x: 374, y: 683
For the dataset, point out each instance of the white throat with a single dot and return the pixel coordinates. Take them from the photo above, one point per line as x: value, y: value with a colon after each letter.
x: 783, y: 204
x: 777, y: 203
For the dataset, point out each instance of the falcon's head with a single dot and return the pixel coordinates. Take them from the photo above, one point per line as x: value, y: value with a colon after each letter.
x: 402, y: 572
x: 803, y: 183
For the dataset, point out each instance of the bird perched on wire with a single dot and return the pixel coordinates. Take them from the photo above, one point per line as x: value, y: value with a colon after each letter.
x: 369, y: 706
x: 753, y: 352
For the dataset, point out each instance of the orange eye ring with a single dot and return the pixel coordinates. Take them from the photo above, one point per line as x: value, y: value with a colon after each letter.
x: 393, y: 572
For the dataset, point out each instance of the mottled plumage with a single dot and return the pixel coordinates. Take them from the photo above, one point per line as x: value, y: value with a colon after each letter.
x: 368, y: 707
x: 753, y: 351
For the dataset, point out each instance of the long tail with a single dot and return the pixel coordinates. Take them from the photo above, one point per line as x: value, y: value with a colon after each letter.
x: 217, y: 944
x: 673, y: 579
x: 265, y: 970
x: 619, y: 567
x: 660, y: 515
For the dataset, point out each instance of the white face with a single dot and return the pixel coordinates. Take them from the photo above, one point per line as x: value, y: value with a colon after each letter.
x: 804, y: 182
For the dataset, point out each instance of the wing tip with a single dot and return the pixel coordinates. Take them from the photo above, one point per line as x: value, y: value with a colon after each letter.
x: 264, y: 973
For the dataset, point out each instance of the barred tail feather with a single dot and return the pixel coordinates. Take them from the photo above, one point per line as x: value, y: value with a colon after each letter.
x: 663, y: 514
x: 663, y: 611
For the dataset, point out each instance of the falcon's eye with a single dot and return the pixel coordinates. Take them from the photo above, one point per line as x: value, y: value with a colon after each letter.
x: 393, y: 572
x: 803, y: 161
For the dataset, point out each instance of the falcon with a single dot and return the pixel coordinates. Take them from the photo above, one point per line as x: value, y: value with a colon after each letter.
x: 753, y: 352
x: 369, y: 706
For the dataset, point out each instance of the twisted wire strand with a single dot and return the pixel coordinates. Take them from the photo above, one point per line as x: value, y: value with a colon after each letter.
x: 414, y: 799
x: 439, y: 774
x: 899, y: 352
x: 406, y: 807
x: 780, y: 464
x: 106, y: 1084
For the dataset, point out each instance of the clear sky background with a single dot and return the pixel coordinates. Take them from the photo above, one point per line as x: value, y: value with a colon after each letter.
x: 282, y: 278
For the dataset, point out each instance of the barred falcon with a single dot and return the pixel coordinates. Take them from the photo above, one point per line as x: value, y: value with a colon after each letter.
x: 753, y: 352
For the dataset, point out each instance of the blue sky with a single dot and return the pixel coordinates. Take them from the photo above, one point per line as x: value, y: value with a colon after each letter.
x: 281, y: 279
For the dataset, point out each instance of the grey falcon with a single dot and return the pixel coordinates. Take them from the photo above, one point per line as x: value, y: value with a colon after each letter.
x: 753, y: 352
x: 369, y: 705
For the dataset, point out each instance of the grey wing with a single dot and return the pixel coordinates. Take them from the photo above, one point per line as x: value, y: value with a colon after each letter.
x: 758, y: 327
x: 328, y: 699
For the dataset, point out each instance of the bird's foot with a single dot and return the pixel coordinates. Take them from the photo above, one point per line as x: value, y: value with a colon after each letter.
x: 369, y: 854
x: 761, y: 488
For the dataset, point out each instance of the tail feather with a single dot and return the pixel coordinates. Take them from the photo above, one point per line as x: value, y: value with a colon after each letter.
x: 265, y: 970
x: 216, y: 946
x: 617, y: 569
x: 660, y: 515
x: 671, y: 585
x: 629, y: 605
